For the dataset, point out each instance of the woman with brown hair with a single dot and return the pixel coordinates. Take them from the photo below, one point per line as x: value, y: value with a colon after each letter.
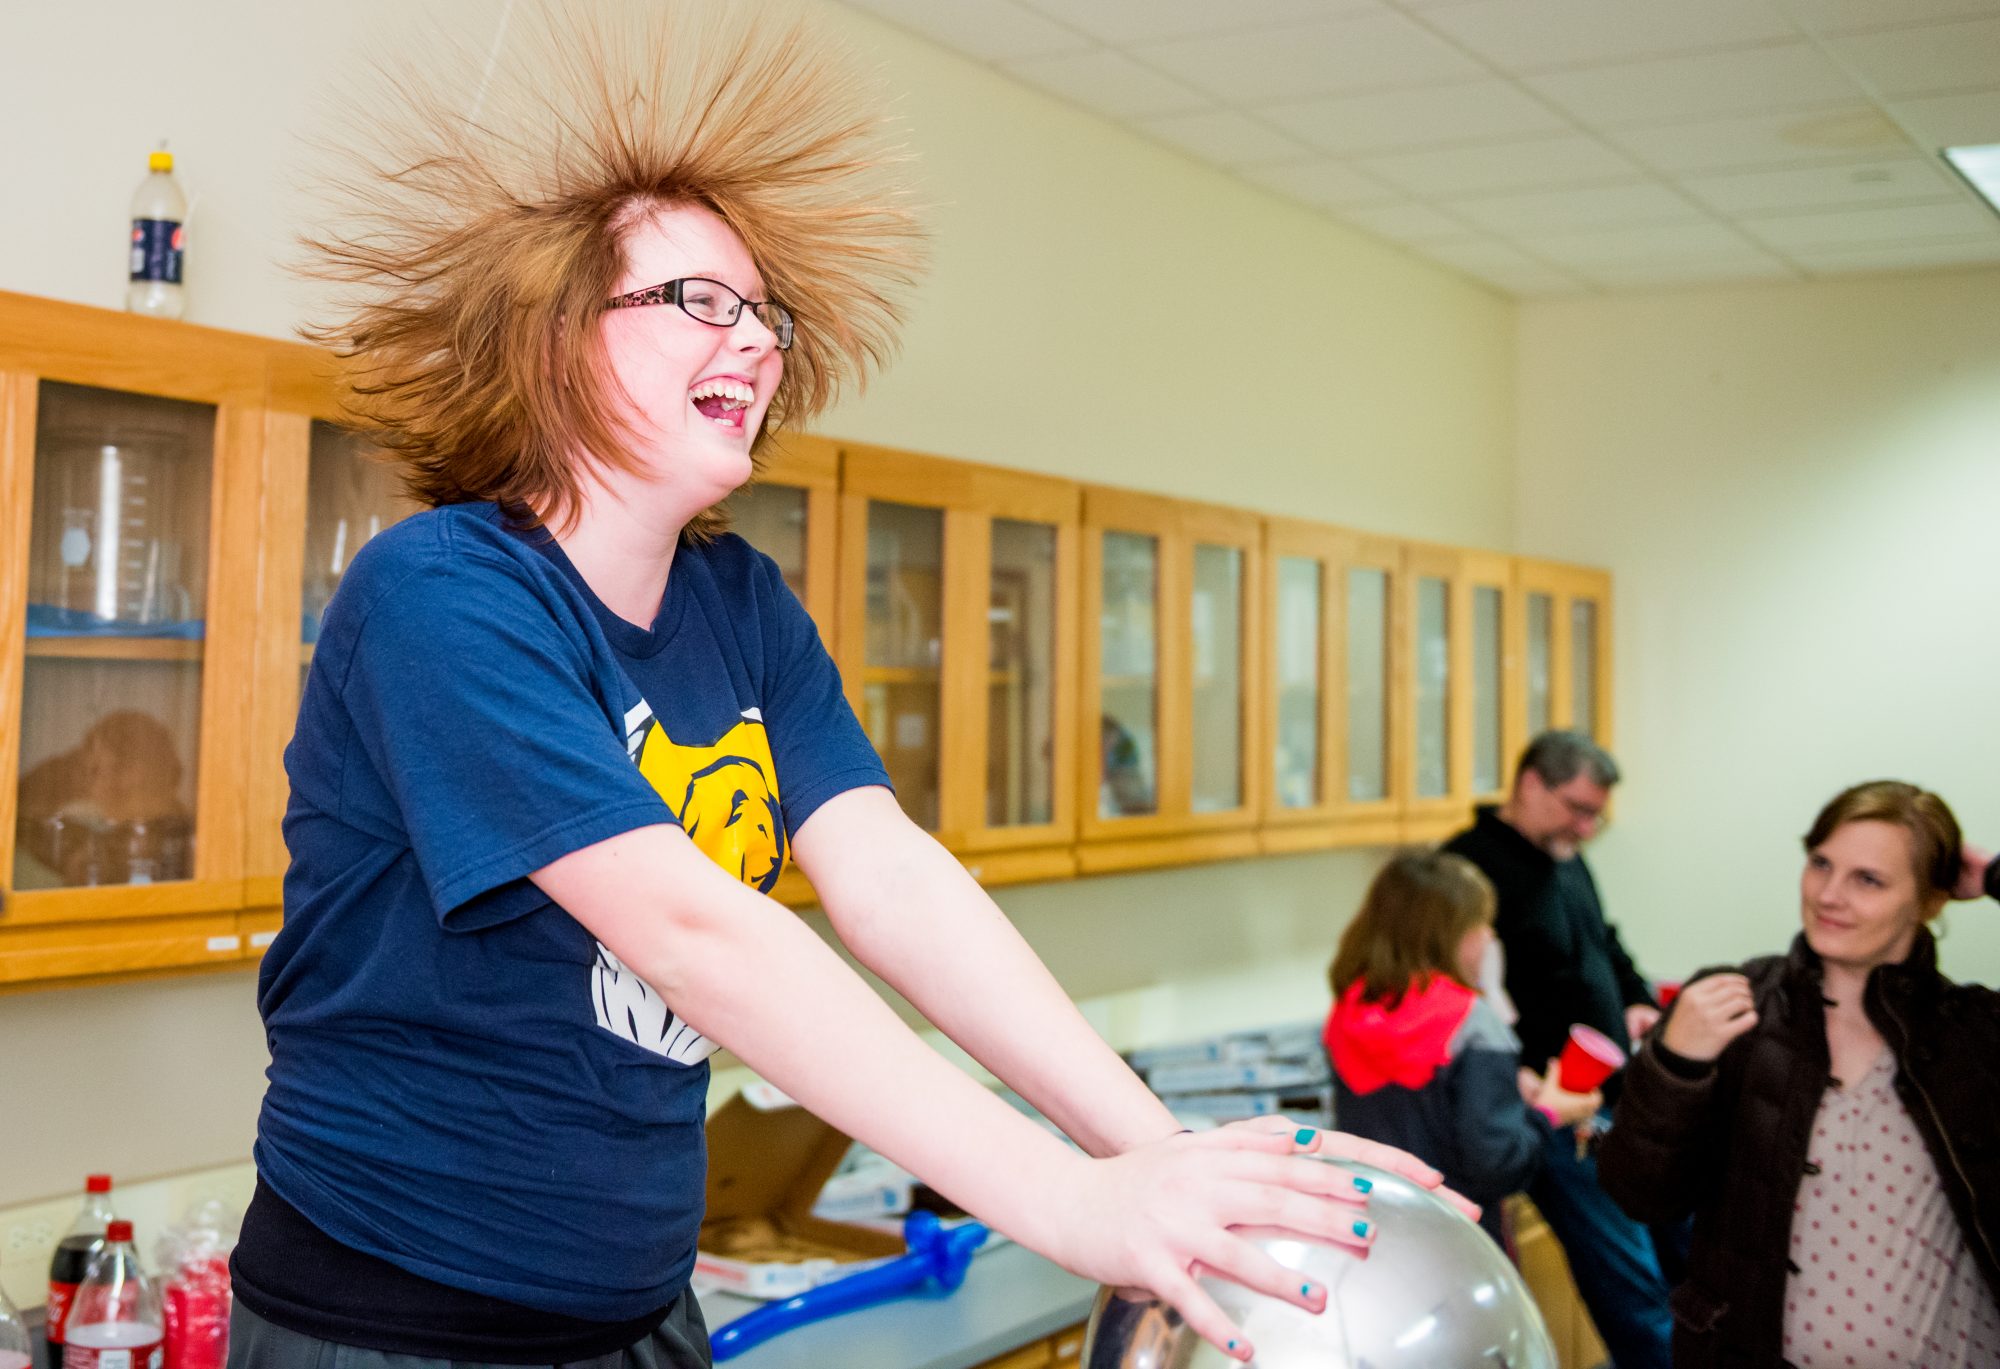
x: 1420, y: 1060
x: 1829, y: 1118
x: 561, y: 733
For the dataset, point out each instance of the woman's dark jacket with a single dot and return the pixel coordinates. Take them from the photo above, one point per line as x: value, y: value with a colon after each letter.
x: 1729, y: 1142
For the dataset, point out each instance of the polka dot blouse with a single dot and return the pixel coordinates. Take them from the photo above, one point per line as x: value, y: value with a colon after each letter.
x: 1881, y: 1276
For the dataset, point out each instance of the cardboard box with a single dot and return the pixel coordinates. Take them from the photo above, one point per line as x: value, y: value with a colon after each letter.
x: 767, y: 1160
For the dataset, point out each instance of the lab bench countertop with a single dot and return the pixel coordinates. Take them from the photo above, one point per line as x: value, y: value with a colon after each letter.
x: 1010, y: 1297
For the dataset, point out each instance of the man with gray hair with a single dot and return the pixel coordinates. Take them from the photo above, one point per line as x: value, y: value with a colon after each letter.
x: 1565, y: 966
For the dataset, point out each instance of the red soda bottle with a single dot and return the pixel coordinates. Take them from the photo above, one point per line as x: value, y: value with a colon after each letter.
x: 72, y: 1258
x: 115, y: 1321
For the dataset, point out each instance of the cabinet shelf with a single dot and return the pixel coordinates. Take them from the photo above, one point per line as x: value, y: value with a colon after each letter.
x: 115, y: 648
x: 901, y: 674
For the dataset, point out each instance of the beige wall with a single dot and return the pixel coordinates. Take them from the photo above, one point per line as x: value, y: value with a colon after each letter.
x: 1799, y: 490
x: 1062, y: 329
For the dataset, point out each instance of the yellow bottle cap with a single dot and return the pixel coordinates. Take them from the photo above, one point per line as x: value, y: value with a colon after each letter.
x: 160, y: 161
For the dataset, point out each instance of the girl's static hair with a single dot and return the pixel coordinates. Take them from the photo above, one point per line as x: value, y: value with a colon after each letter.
x: 474, y: 229
x: 1417, y: 912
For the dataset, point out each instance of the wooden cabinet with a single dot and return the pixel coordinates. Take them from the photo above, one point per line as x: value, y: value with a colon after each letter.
x: 1064, y: 1350
x: 1545, y: 1270
x: 1061, y: 678
x: 957, y: 632
x: 1466, y: 722
x: 791, y: 513
x: 1331, y: 707
x: 1566, y: 647
x: 1172, y: 670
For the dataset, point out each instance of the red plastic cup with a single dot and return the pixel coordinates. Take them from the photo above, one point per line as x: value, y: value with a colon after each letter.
x: 1589, y: 1057
x: 1667, y: 992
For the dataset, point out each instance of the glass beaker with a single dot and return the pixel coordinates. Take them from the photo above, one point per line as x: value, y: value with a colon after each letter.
x: 108, y: 552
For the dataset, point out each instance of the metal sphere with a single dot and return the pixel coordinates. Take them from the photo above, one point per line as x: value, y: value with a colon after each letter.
x: 1433, y: 1292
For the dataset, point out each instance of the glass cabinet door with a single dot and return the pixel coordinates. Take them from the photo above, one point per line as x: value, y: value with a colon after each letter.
x: 1489, y: 756
x: 1216, y: 624
x: 1299, y: 648
x: 351, y: 494
x: 1541, y: 662
x: 1129, y: 674
x: 1568, y: 647
x: 1368, y: 683
x: 903, y: 631
x: 1023, y: 639
x: 1583, y: 666
x: 958, y: 637
x: 1495, y: 715
x: 1432, y: 686
x: 118, y: 578
x: 772, y: 518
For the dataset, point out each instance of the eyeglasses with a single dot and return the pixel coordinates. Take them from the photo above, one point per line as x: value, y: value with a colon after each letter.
x: 713, y: 303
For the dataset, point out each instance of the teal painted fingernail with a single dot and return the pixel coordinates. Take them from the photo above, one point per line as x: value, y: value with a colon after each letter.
x: 1305, y: 1290
x: 1304, y: 1136
x: 1232, y: 1345
x: 1364, y: 1185
x: 1362, y: 1228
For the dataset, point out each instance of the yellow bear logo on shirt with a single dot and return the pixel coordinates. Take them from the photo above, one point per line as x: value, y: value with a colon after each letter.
x: 725, y: 797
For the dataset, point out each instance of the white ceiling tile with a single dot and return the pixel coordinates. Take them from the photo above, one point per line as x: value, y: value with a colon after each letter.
x: 1831, y: 16
x: 1632, y: 275
x: 1823, y: 187
x: 1791, y: 233
x: 1465, y: 112
x: 1926, y: 60
x: 1269, y: 65
x: 1607, y: 206
x: 1534, y: 35
x: 990, y: 30
x: 1951, y: 120
x: 1110, y: 83
x: 1571, y: 159
x: 1325, y: 183
x: 1796, y: 137
x: 1408, y: 222
x: 1499, y: 265
x: 1597, y: 248
x: 1225, y: 137
x: 1900, y: 256
x: 1124, y: 22
x: 1743, y: 80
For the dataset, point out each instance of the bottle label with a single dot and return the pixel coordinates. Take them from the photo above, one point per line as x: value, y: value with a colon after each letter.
x: 61, y: 1295
x: 149, y: 1353
x: 156, y: 250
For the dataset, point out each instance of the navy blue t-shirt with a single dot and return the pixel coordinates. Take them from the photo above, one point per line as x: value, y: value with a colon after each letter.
x: 463, y: 1082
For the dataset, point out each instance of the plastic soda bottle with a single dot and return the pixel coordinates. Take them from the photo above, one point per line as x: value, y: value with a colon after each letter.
x: 159, y: 233
x: 14, y: 1349
x: 115, y: 1322
x: 72, y: 1258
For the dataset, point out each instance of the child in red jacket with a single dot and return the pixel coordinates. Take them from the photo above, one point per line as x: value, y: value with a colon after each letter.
x: 1420, y: 1059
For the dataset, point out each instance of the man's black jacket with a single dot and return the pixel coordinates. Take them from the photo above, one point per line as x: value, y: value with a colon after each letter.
x: 1565, y: 963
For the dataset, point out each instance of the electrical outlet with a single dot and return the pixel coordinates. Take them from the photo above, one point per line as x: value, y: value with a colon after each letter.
x: 27, y: 1237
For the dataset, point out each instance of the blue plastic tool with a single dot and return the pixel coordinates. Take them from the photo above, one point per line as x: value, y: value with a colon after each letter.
x: 935, y: 1254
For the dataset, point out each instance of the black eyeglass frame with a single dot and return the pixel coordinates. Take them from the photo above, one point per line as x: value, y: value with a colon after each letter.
x: 770, y: 313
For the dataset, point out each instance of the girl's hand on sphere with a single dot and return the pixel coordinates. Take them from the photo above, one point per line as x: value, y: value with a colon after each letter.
x: 1162, y: 1215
